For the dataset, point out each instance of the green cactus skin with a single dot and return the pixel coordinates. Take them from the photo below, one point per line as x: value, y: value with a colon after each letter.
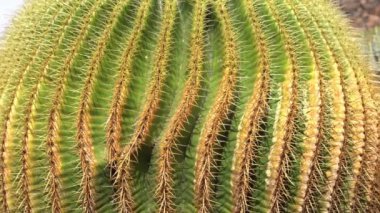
x: 186, y: 106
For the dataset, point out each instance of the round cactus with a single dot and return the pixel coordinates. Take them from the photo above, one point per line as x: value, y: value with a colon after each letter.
x: 186, y: 106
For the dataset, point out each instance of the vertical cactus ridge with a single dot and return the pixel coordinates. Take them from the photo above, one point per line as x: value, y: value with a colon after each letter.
x: 27, y: 74
x: 101, y: 51
x: 374, y: 201
x: 34, y: 139
x: 314, y: 114
x: 186, y: 106
x: 124, y: 197
x: 332, y: 140
x: 278, y: 69
x: 365, y: 193
x: 354, y: 133
x: 26, y: 139
x: 336, y: 150
x: 249, y: 127
x: 311, y: 153
x: 8, y: 54
x: 78, y: 114
x: 359, y: 193
x: 285, y: 125
x: 83, y: 136
x: 168, y: 143
x: 100, y: 35
x: 120, y: 91
x: 361, y: 190
x: 135, y: 64
x: 216, y: 119
x: 213, y: 50
x: 83, y: 140
x: 362, y: 193
x: 150, y: 107
x: 53, y: 174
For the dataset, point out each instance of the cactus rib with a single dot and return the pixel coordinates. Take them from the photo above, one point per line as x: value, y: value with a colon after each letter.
x: 247, y: 137
x: 164, y: 190
x: 217, y: 116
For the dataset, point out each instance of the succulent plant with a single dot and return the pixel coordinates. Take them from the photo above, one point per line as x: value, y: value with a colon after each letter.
x: 186, y: 106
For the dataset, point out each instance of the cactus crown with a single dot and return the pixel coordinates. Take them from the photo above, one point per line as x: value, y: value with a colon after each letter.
x: 185, y: 106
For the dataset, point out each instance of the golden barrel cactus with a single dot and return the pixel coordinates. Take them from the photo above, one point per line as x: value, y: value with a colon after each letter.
x: 186, y: 106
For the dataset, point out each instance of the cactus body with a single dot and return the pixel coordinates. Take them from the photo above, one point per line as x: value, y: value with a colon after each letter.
x: 186, y: 106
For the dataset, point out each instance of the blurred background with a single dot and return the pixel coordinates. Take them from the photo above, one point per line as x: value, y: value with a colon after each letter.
x: 365, y: 16
x: 363, y: 13
x: 8, y: 8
